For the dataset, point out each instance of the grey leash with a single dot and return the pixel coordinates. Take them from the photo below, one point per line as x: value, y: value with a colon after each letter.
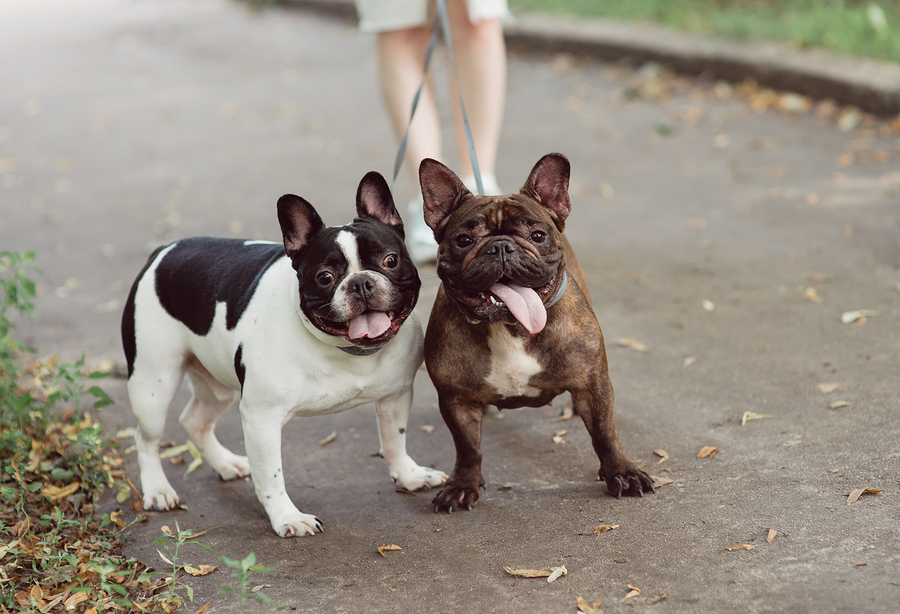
x: 448, y: 41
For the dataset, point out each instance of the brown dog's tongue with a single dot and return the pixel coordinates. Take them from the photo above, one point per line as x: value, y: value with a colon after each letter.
x: 525, y: 305
x: 370, y: 324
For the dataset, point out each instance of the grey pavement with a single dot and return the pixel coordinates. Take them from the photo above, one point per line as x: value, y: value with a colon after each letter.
x: 726, y: 240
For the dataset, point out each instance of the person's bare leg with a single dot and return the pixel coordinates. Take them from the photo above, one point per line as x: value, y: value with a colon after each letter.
x: 481, y: 60
x: 401, y: 57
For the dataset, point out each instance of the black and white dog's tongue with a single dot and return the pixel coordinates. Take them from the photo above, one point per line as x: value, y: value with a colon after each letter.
x: 370, y: 324
x: 524, y: 304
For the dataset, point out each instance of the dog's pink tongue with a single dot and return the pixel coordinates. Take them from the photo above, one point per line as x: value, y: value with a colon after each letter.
x: 370, y: 324
x: 525, y: 305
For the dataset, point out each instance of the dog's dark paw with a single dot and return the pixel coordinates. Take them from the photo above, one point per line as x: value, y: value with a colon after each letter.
x: 630, y: 482
x: 454, y: 498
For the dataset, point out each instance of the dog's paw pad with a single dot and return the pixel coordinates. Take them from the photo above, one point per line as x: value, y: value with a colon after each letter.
x: 421, y: 478
x: 161, y: 501
x: 300, y: 526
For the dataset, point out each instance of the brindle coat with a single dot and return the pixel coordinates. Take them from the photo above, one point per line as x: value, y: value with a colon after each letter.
x: 479, y: 355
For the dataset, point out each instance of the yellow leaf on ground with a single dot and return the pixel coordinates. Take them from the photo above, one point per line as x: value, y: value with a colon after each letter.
x: 56, y: 493
x: 771, y: 536
x: 603, y: 528
x: 382, y: 549
x: 741, y: 547
x: 527, y: 573
x: 329, y: 439
x: 557, y: 572
x: 749, y: 415
x: 707, y: 452
x: 828, y: 387
x: 589, y: 608
x: 663, y: 456
x: 634, y: 592
x: 637, y: 346
x: 200, y: 570
x: 858, y: 492
x: 658, y: 481
x: 204, y: 608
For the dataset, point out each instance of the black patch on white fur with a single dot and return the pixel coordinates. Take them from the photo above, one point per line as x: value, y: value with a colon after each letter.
x: 239, y: 369
x: 200, y: 272
x: 129, y: 342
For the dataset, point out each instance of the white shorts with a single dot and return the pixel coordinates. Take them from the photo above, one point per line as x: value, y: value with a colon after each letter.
x: 390, y: 15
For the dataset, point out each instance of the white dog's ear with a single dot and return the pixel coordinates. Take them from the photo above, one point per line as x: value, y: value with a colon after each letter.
x: 548, y: 183
x: 299, y: 221
x: 442, y: 192
x: 374, y: 199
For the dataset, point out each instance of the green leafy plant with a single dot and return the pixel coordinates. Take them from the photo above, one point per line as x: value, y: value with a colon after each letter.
x: 172, y: 543
x: 243, y: 571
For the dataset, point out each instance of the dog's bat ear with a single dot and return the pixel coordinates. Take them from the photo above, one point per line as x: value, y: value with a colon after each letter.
x: 299, y: 221
x: 374, y: 199
x: 548, y: 184
x: 441, y: 192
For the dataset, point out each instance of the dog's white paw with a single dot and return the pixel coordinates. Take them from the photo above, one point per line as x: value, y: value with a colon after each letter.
x: 160, y: 499
x: 297, y: 524
x: 415, y: 477
x: 230, y: 466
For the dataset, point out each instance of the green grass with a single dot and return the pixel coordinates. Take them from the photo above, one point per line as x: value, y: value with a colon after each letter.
x: 853, y: 27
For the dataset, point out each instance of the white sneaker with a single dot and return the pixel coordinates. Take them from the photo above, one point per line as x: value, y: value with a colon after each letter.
x: 489, y: 182
x: 420, y: 239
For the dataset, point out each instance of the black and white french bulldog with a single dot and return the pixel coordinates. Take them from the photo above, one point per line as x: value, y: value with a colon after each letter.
x: 320, y: 324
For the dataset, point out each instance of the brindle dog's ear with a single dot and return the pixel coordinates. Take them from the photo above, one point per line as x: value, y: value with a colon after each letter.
x: 442, y: 192
x: 299, y: 221
x: 548, y: 184
x: 374, y: 199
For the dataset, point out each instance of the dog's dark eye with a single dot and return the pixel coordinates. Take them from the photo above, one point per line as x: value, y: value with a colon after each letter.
x: 324, y: 278
x: 391, y: 261
x: 463, y: 241
x: 539, y: 236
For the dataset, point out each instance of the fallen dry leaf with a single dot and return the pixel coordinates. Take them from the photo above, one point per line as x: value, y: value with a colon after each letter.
x: 328, y: 439
x: 664, y: 594
x: 810, y: 294
x: 839, y: 404
x: 637, y: 346
x: 707, y: 452
x: 771, y: 536
x: 204, y: 608
x: 603, y: 528
x: 634, y: 592
x: 200, y: 570
x: 383, y: 549
x: 663, y: 456
x: 749, y: 415
x: 557, y: 572
x: 858, y: 492
x: 589, y: 608
x: 657, y: 481
x: 828, y: 387
x: 741, y: 547
x: 527, y: 573
x: 848, y: 317
x: 56, y: 493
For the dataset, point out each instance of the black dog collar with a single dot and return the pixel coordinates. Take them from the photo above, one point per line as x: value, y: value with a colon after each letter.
x: 358, y: 351
x: 559, y: 292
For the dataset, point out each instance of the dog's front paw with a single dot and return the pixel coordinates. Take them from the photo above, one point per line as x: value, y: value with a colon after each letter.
x: 160, y: 499
x: 419, y: 478
x: 627, y: 481
x: 297, y: 524
x: 454, y: 498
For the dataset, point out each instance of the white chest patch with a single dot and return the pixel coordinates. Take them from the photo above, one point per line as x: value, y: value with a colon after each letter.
x: 511, y: 366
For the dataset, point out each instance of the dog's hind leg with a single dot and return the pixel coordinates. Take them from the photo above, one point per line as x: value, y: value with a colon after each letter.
x: 209, y: 401
x: 150, y: 398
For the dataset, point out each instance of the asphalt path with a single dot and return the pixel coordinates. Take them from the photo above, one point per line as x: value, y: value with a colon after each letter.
x: 725, y: 240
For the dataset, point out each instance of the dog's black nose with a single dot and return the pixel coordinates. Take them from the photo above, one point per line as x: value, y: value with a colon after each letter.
x: 361, y: 286
x: 500, y: 248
